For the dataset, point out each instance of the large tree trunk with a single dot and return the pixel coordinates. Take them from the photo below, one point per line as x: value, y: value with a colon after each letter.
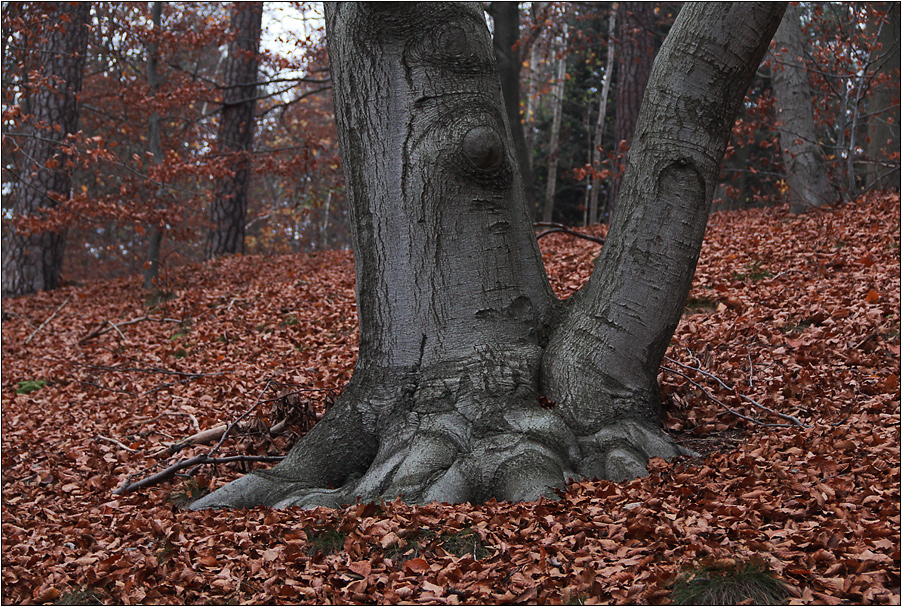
x: 807, y: 178
x: 884, y: 105
x: 506, y: 34
x: 32, y: 260
x: 460, y: 332
x: 236, y: 133
x: 636, y: 53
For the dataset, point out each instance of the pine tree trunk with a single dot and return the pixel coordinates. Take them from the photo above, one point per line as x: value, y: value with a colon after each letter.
x: 460, y: 332
x: 807, y: 178
x: 235, y: 139
x: 636, y: 53
x: 32, y: 260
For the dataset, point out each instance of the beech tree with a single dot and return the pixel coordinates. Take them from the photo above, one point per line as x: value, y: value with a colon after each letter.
x: 32, y: 258
x: 236, y: 132
x: 804, y: 168
x: 473, y: 381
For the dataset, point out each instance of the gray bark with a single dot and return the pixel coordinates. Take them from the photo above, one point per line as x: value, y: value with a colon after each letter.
x: 884, y: 105
x: 555, y: 136
x: 460, y: 331
x: 32, y: 260
x: 152, y: 266
x: 506, y: 34
x: 636, y: 53
x: 596, y: 182
x: 807, y: 178
x: 236, y: 133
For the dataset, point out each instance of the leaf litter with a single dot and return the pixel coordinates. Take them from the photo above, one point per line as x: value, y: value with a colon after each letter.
x: 800, y: 314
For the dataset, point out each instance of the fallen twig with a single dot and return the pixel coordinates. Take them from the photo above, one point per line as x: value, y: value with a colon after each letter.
x: 793, y: 419
x: 194, y: 420
x: 554, y: 227
x: 47, y: 320
x: 205, y: 436
x: 105, y: 326
x: 721, y: 403
x: 169, y: 472
x: 119, y: 443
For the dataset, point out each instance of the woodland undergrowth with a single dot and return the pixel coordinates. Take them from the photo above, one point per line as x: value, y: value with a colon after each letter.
x: 797, y: 314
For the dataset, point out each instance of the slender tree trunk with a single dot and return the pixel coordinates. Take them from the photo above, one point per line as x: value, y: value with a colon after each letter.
x: 554, y: 138
x: 884, y: 105
x: 807, y: 178
x: 32, y: 260
x: 236, y: 133
x: 506, y: 34
x: 636, y: 52
x: 152, y: 265
x: 596, y: 182
x: 460, y: 332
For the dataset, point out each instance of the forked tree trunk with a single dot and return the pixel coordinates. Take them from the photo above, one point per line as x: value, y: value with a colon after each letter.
x: 807, y: 178
x: 236, y: 133
x: 460, y: 332
x: 32, y: 260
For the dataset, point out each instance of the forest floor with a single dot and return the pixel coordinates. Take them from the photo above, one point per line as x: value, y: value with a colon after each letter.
x: 797, y: 314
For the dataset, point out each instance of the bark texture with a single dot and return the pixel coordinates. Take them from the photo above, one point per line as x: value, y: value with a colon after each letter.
x: 506, y: 35
x: 884, y: 105
x: 155, y: 239
x: 236, y: 133
x: 636, y: 53
x: 32, y: 261
x: 460, y: 331
x: 555, y: 137
x: 805, y: 172
x: 596, y: 182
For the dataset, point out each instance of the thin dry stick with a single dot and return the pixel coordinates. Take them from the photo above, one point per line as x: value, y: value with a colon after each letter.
x: 47, y: 320
x: 721, y: 403
x: 196, y: 461
x: 793, y: 419
x: 104, y: 328
x: 119, y: 443
x: 554, y: 227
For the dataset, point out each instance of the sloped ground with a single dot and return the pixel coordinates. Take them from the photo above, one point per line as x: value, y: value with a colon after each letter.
x: 799, y: 314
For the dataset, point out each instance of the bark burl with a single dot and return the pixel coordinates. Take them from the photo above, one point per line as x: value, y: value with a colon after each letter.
x: 461, y: 334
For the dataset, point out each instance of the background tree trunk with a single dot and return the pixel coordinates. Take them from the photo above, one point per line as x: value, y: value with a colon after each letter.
x: 236, y: 133
x: 596, y: 182
x: 32, y: 260
x: 554, y: 138
x: 155, y: 239
x: 807, y: 178
x: 454, y: 304
x: 506, y: 34
x: 636, y: 53
x: 884, y: 105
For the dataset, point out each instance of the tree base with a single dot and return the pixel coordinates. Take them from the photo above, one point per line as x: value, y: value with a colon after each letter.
x: 465, y: 431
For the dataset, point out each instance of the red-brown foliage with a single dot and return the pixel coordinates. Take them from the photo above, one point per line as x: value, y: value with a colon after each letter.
x: 800, y: 313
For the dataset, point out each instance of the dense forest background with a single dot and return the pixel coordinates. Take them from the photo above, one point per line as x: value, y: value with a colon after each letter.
x: 148, y: 158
